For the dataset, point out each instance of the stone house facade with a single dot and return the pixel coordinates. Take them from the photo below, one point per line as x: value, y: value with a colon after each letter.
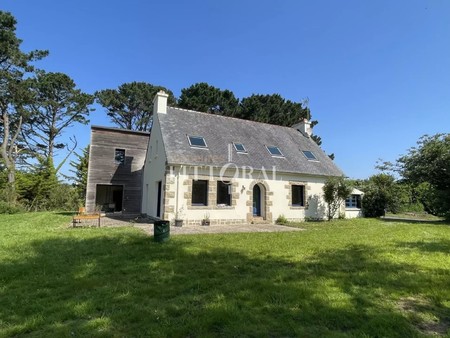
x: 229, y: 171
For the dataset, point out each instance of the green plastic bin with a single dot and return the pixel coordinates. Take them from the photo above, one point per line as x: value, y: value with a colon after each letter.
x: 161, y: 231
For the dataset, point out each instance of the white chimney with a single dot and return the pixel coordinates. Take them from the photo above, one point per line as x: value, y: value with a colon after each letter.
x: 160, y: 102
x: 304, y: 126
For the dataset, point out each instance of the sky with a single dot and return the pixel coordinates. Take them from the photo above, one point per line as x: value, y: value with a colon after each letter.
x: 376, y: 73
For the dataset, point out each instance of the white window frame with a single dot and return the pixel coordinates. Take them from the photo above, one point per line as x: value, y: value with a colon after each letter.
x: 197, y: 146
x: 351, y: 202
x: 274, y: 155
x: 310, y: 159
x: 240, y: 151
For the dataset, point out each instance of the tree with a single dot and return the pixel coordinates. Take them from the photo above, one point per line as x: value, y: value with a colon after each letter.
x: 14, y: 94
x: 45, y: 185
x: 80, y: 169
x: 58, y: 105
x: 273, y: 109
x: 429, y: 163
x: 39, y: 189
x: 209, y: 99
x: 335, y: 191
x: 131, y: 105
x: 382, y: 193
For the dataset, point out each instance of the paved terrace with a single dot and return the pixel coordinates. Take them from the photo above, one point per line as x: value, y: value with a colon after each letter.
x: 146, y: 225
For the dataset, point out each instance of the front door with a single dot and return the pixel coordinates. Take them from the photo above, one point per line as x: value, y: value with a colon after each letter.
x: 256, y: 200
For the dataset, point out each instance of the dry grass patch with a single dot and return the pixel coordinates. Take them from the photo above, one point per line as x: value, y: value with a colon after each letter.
x: 429, y: 319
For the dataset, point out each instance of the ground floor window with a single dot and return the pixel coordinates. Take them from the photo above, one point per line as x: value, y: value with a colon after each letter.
x: 298, y: 195
x: 119, y: 156
x: 353, y: 201
x: 200, y: 192
x: 223, y: 193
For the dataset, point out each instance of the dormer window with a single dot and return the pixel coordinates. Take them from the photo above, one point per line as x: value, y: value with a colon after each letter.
x: 274, y: 151
x: 239, y: 148
x: 197, y: 142
x: 309, y: 155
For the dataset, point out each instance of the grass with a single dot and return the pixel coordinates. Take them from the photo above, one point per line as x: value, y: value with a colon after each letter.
x: 349, y: 278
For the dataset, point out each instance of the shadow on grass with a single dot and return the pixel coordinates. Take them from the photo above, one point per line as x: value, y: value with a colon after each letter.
x: 442, y: 246
x: 413, y: 220
x: 66, y: 213
x: 131, y: 286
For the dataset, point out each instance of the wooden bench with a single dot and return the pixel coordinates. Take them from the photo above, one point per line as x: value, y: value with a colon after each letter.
x: 78, y: 218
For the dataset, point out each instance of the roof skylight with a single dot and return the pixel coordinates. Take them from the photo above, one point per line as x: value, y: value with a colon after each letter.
x: 239, y: 147
x: 309, y: 155
x: 274, y: 151
x: 197, y: 141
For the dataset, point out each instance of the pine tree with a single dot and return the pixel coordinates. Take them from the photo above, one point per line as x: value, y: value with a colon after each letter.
x: 80, y: 169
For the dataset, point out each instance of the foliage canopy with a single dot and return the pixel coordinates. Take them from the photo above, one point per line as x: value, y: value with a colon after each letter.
x: 15, y: 66
x: 206, y: 98
x: 428, y: 166
x: 131, y: 105
x: 58, y: 104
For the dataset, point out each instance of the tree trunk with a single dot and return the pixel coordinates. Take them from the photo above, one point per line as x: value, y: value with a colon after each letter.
x: 7, y: 152
x: 11, y: 187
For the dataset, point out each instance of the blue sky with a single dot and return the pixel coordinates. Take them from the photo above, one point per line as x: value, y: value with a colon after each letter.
x: 377, y: 73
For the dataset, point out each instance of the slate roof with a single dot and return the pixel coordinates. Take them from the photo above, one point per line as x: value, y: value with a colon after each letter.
x: 220, y: 131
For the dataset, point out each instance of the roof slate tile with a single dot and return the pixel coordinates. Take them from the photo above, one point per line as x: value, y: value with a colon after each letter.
x: 221, y: 131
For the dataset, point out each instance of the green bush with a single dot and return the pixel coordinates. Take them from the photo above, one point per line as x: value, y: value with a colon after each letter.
x: 6, y: 208
x: 39, y: 193
x: 61, y: 197
x: 64, y: 197
x: 382, y: 193
x: 413, y: 207
x: 374, y: 204
x: 281, y: 220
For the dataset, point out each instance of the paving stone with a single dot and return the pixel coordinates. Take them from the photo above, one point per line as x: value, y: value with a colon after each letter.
x: 146, y: 225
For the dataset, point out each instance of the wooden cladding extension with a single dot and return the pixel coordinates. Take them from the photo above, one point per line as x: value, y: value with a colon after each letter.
x: 105, y: 170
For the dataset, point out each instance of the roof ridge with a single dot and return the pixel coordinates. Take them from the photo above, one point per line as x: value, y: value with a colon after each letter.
x: 190, y: 110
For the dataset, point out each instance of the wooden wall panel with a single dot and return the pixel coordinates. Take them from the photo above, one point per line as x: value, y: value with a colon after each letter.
x: 104, y: 170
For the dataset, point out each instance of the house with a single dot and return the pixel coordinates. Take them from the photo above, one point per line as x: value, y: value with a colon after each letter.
x: 195, y: 166
x: 115, y: 171
x: 230, y: 171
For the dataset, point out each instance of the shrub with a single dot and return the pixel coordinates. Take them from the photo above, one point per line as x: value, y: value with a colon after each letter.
x: 413, y: 207
x: 281, y: 220
x: 6, y: 208
x: 374, y: 204
x: 335, y: 191
x: 383, y: 193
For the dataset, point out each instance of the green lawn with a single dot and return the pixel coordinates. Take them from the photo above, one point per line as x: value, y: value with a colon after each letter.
x: 361, y: 278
